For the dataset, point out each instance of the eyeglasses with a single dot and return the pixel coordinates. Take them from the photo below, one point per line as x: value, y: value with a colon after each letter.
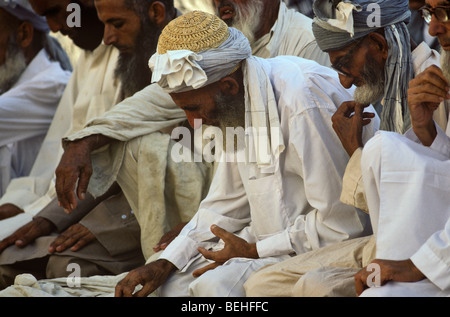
x: 441, y: 13
x: 345, y: 60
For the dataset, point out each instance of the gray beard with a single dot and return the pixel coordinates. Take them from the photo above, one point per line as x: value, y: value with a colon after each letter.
x: 246, y: 19
x: 373, y: 89
x: 13, y: 67
x: 445, y: 64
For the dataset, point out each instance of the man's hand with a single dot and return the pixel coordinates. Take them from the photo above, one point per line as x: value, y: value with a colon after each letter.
x: 168, y: 237
x: 235, y: 247
x: 9, y: 211
x: 399, y: 271
x: 426, y: 91
x: 38, y: 227
x: 150, y: 277
x: 348, y: 122
x: 76, y: 166
x: 75, y: 238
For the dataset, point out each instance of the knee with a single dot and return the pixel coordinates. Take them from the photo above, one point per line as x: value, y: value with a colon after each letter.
x: 326, y: 282
x: 203, y: 286
x: 256, y: 285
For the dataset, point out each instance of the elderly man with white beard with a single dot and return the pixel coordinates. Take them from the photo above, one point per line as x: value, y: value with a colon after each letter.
x: 34, y: 71
x: 276, y: 31
x: 370, y: 60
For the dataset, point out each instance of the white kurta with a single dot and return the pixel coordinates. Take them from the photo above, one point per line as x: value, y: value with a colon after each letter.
x: 407, y: 187
x: 91, y: 91
x: 353, y: 189
x: 296, y: 209
x: 26, y: 111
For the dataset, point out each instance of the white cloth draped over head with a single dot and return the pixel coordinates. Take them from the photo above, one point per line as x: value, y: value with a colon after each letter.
x: 183, y: 70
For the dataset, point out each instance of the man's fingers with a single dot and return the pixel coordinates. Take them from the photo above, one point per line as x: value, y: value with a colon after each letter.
x: 66, y: 193
x: 430, y: 89
x: 7, y: 242
x: 423, y: 98
x: 221, y: 233
x: 359, y: 282
x: 205, y: 269
x: 62, y: 243
x: 83, y: 183
x: 125, y: 288
x: 432, y: 76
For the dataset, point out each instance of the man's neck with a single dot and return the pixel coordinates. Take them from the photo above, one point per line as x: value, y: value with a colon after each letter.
x: 270, y: 14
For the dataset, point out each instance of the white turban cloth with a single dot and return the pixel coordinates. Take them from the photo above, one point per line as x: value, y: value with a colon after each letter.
x: 183, y: 70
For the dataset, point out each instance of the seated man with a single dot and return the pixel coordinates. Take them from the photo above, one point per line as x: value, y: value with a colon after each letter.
x: 407, y: 181
x: 34, y: 71
x: 281, y: 195
x: 103, y: 235
x: 330, y: 271
x: 136, y: 118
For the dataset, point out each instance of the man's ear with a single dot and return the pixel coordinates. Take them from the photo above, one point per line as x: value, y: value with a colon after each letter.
x: 229, y: 86
x: 380, y: 43
x: 25, y: 34
x: 157, y: 14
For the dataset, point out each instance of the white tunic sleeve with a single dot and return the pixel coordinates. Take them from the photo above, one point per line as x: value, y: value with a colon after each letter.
x: 433, y: 258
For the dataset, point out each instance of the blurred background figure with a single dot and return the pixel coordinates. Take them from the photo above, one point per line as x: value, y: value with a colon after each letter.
x: 34, y: 71
x: 303, y: 6
x: 190, y: 5
x: 418, y: 28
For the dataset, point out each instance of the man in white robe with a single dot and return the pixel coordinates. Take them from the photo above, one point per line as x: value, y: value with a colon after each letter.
x: 330, y: 271
x: 32, y: 82
x: 287, y: 33
x: 92, y: 89
x: 406, y: 182
x: 237, y: 227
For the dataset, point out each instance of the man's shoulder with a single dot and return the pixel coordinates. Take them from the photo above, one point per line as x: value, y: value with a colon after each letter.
x: 291, y: 69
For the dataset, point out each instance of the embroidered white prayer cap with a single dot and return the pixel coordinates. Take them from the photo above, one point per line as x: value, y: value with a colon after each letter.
x: 197, y: 49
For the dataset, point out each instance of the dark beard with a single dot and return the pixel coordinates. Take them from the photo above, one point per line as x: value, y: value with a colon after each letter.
x: 132, y: 69
x: 230, y: 113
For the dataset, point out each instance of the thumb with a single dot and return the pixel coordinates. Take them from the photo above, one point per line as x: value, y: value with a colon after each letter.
x: 219, y: 232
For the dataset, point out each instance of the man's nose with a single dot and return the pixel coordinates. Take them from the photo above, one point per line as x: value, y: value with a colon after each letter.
x: 54, y: 25
x: 436, y: 27
x: 110, y: 36
x: 346, y: 81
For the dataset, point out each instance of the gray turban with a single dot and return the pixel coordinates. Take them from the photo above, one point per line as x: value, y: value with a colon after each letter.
x: 22, y: 10
x: 339, y: 22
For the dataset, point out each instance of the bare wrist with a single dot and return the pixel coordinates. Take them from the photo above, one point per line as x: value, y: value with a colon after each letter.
x: 426, y: 134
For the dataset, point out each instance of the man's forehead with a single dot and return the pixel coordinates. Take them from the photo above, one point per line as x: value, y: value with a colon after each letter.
x: 437, y: 3
x: 113, y: 9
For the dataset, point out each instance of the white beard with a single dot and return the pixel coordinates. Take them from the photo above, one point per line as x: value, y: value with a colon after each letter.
x: 246, y: 19
x: 373, y: 89
x: 15, y: 64
x: 368, y: 94
x: 445, y: 64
